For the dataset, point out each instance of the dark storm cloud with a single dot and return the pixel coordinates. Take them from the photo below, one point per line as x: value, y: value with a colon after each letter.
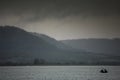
x: 59, y: 8
x: 63, y: 18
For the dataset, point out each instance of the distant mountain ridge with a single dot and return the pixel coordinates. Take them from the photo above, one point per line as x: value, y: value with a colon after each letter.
x: 106, y: 46
x: 20, y: 46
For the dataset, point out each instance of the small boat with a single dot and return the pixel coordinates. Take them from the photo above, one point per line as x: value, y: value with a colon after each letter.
x: 103, y: 71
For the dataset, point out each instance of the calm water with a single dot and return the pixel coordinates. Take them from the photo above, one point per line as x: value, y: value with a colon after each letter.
x: 59, y: 73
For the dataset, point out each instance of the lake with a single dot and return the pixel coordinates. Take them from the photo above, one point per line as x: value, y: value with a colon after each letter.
x: 59, y: 73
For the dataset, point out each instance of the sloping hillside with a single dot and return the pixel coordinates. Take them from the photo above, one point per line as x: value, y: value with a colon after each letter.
x: 20, y: 46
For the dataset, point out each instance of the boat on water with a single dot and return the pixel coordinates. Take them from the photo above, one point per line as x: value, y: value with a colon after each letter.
x: 103, y: 71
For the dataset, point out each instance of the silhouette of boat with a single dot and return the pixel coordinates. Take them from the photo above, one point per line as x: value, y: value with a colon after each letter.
x: 103, y: 71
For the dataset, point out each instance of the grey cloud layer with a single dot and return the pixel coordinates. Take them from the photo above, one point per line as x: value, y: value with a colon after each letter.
x: 61, y: 8
x: 96, y: 15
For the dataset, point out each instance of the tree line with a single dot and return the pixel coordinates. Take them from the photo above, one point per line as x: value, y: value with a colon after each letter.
x: 42, y: 62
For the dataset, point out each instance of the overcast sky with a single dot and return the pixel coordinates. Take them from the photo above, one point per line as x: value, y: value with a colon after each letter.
x: 64, y: 19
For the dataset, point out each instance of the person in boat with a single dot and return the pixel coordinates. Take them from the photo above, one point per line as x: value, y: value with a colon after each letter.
x: 103, y: 71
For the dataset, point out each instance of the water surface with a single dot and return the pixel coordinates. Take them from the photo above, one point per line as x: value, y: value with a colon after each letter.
x: 59, y: 73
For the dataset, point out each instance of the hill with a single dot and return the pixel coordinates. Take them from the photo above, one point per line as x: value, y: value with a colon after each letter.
x: 21, y: 47
x: 105, y: 46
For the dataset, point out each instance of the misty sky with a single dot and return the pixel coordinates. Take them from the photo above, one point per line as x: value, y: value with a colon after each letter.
x: 64, y: 19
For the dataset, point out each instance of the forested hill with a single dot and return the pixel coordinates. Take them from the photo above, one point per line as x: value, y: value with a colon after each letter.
x: 18, y: 46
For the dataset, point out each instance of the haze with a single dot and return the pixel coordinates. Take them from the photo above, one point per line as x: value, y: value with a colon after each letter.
x: 64, y: 19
